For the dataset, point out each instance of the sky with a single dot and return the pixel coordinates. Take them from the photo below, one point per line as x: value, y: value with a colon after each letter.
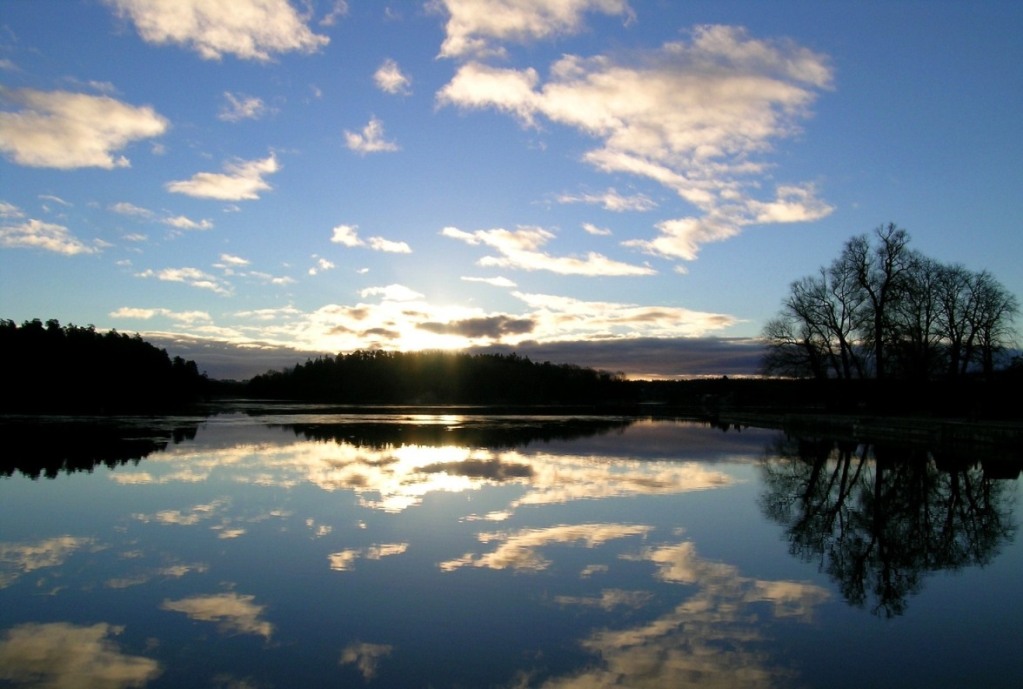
x: 625, y: 184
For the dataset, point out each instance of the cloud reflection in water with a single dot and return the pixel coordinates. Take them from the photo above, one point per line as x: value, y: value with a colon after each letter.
x: 60, y: 655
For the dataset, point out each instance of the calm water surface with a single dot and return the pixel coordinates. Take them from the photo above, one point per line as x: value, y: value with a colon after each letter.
x: 406, y: 550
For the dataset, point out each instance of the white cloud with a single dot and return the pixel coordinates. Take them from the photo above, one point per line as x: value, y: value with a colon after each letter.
x: 233, y: 260
x: 390, y: 78
x: 495, y: 282
x: 247, y: 29
x: 125, y: 208
x: 184, y: 223
x: 36, y: 234
x: 590, y: 228
x: 392, y: 293
x: 322, y: 264
x: 474, y: 25
x: 242, y: 181
x: 691, y: 116
x: 371, y: 140
x: 611, y: 200
x: 186, y: 317
x: 190, y: 276
x: 388, y: 246
x: 241, y: 107
x: 65, y: 130
x: 9, y: 210
x: 565, y: 319
x: 521, y: 249
x: 348, y: 235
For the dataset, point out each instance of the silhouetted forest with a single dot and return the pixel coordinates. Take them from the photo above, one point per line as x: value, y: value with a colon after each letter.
x: 377, y: 377
x: 70, y: 369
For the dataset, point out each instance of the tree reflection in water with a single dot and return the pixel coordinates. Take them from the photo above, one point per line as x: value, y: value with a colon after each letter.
x: 880, y: 518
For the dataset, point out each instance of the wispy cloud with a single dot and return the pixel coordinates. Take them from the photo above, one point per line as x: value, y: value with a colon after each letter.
x: 521, y: 249
x: 612, y: 200
x: 242, y: 181
x: 60, y: 129
x: 370, y: 140
x: 182, y: 222
x: 348, y: 235
x: 389, y: 78
x: 187, y: 317
x: 495, y: 282
x: 691, y: 116
x: 189, y: 276
x: 247, y: 29
x: 241, y: 107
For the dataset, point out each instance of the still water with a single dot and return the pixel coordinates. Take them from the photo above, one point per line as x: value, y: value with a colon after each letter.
x: 409, y: 550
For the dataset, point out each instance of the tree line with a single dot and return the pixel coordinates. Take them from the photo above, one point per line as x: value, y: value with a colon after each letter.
x: 884, y: 311
x: 71, y: 369
x: 431, y: 377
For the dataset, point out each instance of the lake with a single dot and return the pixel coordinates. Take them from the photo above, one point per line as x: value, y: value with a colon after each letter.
x: 400, y: 549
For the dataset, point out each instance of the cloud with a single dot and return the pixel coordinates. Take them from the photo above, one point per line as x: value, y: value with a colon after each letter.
x: 371, y: 140
x: 344, y: 560
x: 322, y: 264
x: 520, y: 249
x: 61, y: 655
x: 65, y: 130
x: 474, y: 26
x: 338, y: 10
x: 247, y: 29
x: 567, y: 318
x: 392, y: 293
x: 590, y: 228
x: 232, y: 260
x: 242, y: 181
x: 190, y: 276
x: 183, y: 223
x: 241, y: 107
x: 492, y: 327
x: 365, y: 657
x: 130, y: 209
x: 36, y: 234
x: 649, y: 358
x: 186, y: 317
x: 611, y: 200
x: 390, y: 79
x: 496, y: 282
x: 9, y: 210
x: 18, y: 559
x: 348, y: 235
x: 233, y: 612
x: 518, y: 550
x: 692, y: 116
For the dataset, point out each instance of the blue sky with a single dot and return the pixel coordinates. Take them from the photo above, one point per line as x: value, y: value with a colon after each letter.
x: 626, y: 184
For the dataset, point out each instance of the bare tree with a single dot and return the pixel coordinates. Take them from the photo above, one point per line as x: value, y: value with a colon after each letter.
x: 880, y: 302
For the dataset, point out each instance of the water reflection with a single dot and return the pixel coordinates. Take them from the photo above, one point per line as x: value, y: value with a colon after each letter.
x: 879, y: 518
x: 59, y: 655
x: 302, y: 553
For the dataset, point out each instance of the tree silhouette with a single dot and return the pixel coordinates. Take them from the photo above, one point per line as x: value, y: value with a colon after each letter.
x: 882, y: 310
